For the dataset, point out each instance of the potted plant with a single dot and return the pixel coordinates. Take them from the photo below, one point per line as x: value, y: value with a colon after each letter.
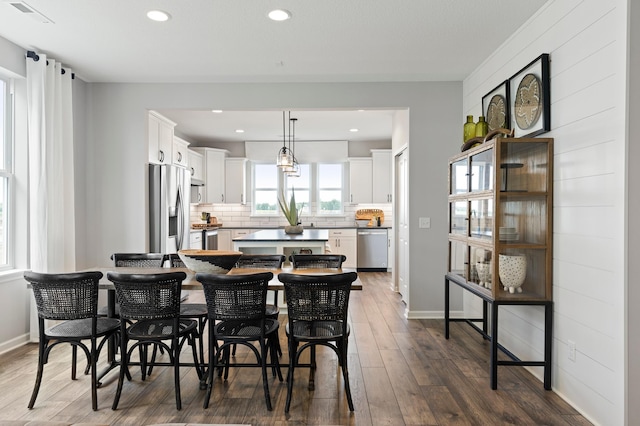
x: 291, y: 213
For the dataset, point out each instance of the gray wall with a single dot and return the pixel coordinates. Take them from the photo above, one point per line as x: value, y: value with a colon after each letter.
x: 116, y: 156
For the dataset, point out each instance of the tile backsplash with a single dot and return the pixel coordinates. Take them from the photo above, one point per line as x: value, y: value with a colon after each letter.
x: 239, y: 216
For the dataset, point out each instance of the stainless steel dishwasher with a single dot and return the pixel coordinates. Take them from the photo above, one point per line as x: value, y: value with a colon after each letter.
x: 372, y: 249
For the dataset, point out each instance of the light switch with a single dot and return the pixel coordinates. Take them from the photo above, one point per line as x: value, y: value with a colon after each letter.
x: 424, y: 222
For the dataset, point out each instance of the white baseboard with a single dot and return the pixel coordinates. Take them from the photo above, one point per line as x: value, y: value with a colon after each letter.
x: 14, y: 343
x: 433, y: 314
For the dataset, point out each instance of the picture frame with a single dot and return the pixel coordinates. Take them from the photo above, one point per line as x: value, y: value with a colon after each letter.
x: 496, y: 107
x: 530, y: 100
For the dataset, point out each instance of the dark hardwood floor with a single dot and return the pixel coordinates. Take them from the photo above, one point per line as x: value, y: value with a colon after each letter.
x: 403, y: 372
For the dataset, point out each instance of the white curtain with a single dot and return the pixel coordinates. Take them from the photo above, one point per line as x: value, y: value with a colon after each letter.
x: 51, y: 171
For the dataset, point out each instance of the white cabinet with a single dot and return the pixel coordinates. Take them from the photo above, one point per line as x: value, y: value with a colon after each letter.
x: 195, y: 240
x: 180, y: 154
x: 344, y: 241
x: 382, y: 177
x: 196, y: 164
x: 360, y: 184
x: 224, y: 239
x: 214, y: 174
x: 235, y: 180
x: 160, y: 138
x: 390, y: 252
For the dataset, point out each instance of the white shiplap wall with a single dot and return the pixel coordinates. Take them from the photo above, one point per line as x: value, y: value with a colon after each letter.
x: 586, y: 40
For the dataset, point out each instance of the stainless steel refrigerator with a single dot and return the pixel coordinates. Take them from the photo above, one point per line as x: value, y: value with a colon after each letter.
x: 169, y: 192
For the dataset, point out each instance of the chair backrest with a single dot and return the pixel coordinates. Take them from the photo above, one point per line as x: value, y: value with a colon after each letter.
x: 317, y: 297
x: 65, y: 296
x: 148, y: 296
x: 140, y: 260
x: 317, y: 261
x: 260, y: 261
x: 174, y: 260
x: 232, y: 297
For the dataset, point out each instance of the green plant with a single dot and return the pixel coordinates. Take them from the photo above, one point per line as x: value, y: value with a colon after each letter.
x: 290, y: 210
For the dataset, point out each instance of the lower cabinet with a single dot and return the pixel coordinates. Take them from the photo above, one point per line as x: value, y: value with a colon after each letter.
x: 344, y: 241
x: 226, y: 236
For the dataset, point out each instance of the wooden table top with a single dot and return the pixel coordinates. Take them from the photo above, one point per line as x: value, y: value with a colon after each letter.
x: 190, y: 283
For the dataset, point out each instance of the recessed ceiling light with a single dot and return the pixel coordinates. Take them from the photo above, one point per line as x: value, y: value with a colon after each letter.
x: 353, y: 130
x: 158, y: 15
x: 217, y: 111
x: 239, y: 131
x: 279, y: 15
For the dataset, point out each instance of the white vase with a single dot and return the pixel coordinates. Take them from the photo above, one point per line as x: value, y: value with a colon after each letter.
x: 484, y: 274
x: 512, y: 271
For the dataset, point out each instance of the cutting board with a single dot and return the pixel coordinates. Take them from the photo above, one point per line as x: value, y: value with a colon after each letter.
x: 370, y: 214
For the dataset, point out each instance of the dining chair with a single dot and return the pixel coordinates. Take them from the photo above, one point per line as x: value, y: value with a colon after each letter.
x: 197, y: 311
x: 150, y: 314
x: 236, y: 305
x: 317, y: 261
x: 317, y: 306
x: 73, y: 299
x: 264, y: 261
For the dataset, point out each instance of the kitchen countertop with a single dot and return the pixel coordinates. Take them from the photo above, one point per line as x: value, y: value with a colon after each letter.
x: 278, y: 234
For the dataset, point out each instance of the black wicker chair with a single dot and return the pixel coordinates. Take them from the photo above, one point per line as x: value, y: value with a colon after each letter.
x: 317, y: 306
x: 236, y: 306
x: 317, y: 261
x: 151, y: 304
x: 140, y: 260
x: 264, y: 261
x: 72, y: 298
x: 197, y: 311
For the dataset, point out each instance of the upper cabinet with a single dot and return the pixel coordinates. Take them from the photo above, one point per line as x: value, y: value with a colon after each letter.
x: 224, y: 177
x: 160, y: 138
x: 382, y: 177
x: 500, y: 218
x: 180, y: 152
x: 196, y: 164
x: 235, y: 180
x: 360, y: 182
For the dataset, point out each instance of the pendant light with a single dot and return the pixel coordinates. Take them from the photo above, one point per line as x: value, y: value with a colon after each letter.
x: 284, y: 158
x: 294, y: 170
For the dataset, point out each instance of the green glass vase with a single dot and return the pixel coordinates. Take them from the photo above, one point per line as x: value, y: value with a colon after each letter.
x: 469, y: 129
x: 482, y: 127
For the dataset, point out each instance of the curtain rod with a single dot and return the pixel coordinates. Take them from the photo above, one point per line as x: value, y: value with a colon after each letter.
x: 33, y: 55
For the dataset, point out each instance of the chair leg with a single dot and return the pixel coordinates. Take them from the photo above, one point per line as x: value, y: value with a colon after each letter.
x: 36, y: 387
x: 176, y: 371
x: 74, y: 359
x: 265, y: 379
x: 293, y: 359
x: 213, y: 356
x: 94, y: 376
x: 312, y: 369
x: 342, y: 349
x: 124, y: 361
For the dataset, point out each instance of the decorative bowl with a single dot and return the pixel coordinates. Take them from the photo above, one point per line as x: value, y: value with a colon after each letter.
x: 362, y: 222
x: 209, y: 261
x: 512, y: 271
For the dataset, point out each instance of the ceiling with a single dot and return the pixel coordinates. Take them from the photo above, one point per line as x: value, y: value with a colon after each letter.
x: 209, y: 41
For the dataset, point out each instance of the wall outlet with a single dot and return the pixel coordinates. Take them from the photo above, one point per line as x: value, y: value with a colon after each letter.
x: 424, y: 222
x: 572, y: 350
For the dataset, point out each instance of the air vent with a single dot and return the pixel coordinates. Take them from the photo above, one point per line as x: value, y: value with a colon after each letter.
x: 30, y: 11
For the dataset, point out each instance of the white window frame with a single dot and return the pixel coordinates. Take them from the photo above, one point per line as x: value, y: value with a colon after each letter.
x: 254, y: 188
x: 7, y: 174
x: 319, y: 188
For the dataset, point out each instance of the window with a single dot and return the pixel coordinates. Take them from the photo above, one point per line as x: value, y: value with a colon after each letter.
x: 265, y: 193
x: 319, y: 185
x: 302, y: 188
x: 6, y: 176
x: 330, y: 189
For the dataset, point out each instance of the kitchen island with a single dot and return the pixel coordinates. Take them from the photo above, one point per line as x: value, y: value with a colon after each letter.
x: 276, y: 241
